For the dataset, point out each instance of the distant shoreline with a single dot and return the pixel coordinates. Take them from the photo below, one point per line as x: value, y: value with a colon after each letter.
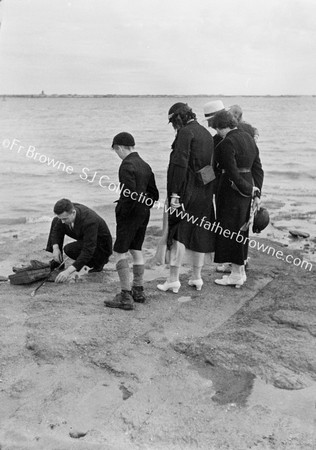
x: 144, y: 96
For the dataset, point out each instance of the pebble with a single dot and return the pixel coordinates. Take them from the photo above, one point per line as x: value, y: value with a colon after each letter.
x: 184, y: 299
x: 297, y: 233
x: 77, y: 434
x: 2, y: 278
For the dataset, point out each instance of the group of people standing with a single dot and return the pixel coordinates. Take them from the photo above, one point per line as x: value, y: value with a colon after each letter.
x: 209, y: 178
x: 205, y: 175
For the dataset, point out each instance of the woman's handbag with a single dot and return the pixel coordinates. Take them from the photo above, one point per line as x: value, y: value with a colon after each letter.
x: 207, y: 174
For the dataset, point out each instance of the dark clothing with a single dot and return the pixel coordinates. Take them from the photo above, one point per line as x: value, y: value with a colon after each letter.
x: 242, y: 126
x: 138, y: 194
x: 245, y: 126
x: 238, y: 156
x: 130, y: 234
x: 135, y: 176
x: 99, y: 259
x: 192, y: 150
x: 90, y: 230
x: 217, y: 139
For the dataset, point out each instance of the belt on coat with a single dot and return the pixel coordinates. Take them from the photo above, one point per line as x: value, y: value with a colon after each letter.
x: 240, y: 170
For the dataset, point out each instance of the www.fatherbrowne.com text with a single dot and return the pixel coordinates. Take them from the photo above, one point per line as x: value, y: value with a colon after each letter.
x: 104, y: 182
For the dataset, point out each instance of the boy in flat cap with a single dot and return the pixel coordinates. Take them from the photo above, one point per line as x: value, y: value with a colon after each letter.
x: 138, y: 194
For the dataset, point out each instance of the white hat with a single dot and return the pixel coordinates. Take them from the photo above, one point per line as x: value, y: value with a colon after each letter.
x: 211, y: 108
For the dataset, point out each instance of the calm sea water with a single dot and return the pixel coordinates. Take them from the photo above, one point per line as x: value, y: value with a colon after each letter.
x: 76, y: 134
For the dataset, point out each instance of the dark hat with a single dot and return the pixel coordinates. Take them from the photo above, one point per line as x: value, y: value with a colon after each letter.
x: 261, y: 220
x: 176, y: 109
x: 123, y: 138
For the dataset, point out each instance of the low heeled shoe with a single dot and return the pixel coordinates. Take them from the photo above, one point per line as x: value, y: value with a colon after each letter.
x: 231, y: 280
x: 173, y: 286
x: 224, y: 268
x: 243, y: 276
x: 197, y: 283
x: 227, y: 267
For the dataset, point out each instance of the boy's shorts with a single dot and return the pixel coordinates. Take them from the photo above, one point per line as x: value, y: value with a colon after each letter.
x: 130, y: 233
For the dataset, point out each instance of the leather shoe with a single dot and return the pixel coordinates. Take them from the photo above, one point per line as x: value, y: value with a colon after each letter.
x: 173, y: 286
x: 138, y: 294
x: 227, y: 268
x: 197, y: 283
x: 123, y: 300
x: 231, y: 280
x: 224, y: 268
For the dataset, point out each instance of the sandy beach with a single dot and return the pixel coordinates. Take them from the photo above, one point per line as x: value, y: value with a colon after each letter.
x: 222, y: 368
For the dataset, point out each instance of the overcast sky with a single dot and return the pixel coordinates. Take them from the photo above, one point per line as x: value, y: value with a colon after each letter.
x: 230, y: 47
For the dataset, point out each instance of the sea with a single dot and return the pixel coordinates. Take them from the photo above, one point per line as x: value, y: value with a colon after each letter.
x: 52, y: 148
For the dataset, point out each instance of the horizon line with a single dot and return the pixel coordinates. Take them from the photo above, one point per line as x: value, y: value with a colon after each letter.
x: 43, y: 95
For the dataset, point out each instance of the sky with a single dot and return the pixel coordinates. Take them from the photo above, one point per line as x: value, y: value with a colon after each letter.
x: 134, y: 47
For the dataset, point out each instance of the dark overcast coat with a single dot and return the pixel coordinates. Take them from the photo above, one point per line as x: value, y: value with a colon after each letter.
x: 236, y: 152
x: 191, y: 151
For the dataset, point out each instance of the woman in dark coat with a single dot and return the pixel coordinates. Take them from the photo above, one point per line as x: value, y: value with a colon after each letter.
x: 190, y: 195
x: 240, y: 182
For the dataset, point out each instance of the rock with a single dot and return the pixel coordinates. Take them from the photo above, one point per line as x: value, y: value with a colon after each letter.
x: 300, y: 320
x: 2, y: 278
x: 126, y: 392
x: 77, y: 434
x: 297, y: 233
x: 184, y: 299
x: 272, y: 336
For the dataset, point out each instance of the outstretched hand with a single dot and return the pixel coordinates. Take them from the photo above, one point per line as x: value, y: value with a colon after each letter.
x: 63, y: 276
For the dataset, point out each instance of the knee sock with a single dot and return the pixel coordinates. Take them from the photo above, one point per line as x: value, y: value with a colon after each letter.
x: 122, y: 268
x: 138, y: 272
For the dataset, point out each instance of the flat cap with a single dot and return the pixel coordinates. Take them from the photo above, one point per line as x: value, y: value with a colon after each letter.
x: 123, y: 138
